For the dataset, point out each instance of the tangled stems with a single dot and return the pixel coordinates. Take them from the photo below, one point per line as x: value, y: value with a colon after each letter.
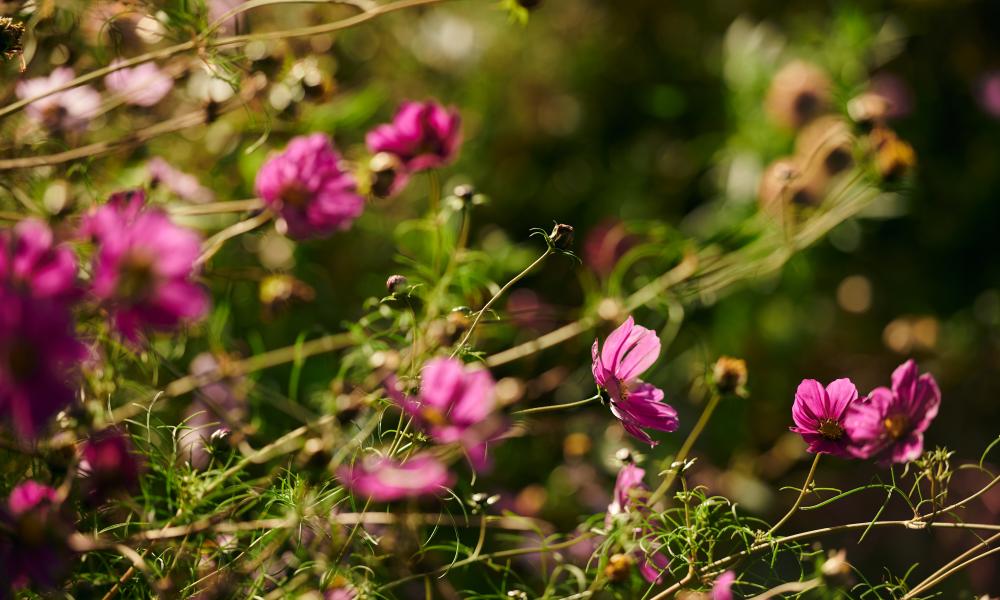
x: 802, y: 495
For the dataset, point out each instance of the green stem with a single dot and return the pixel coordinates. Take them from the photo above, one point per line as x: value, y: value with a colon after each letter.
x: 682, y: 454
x: 802, y: 495
x: 555, y: 407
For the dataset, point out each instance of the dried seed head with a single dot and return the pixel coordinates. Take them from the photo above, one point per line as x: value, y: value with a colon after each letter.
x: 799, y: 92
x: 11, y: 32
x: 826, y: 144
x: 730, y: 375
x: 562, y: 235
x: 618, y: 568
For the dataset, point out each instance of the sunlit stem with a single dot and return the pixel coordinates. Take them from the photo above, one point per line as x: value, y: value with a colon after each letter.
x: 556, y: 407
x: 788, y: 588
x: 802, y: 495
x: 682, y: 454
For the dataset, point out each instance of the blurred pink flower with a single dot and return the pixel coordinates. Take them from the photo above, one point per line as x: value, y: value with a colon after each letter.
x: 218, y: 8
x: 184, y: 185
x: 34, y: 550
x: 820, y: 417
x: 629, y: 351
x: 455, y: 405
x: 108, y: 464
x: 306, y: 186
x: 31, y: 262
x: 605, y: 244
x: 68, y: 110
x: 890, y: 424
x: 989, y: 93
x: 628, y: 485
x: 722, y: 588
x: 340, y: 593
x: 423, y: 135
x: 895, y: 91
x: 653, y: 566
x: 384, y: 479
x: 142, y: 85
x: 144, y: 266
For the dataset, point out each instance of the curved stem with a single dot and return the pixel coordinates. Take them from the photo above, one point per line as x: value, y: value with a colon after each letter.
x: 936, y: 580
x: 213, y: 244
x: 802, y: 495
x: 682, y: 454
x: 930, y: 579
x: 790, y: 587
x: 555, y: 407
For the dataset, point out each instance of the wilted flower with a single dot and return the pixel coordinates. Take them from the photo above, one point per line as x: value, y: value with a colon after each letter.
x: 184, y: 185
x: 144, y: 266
x: 423, y: 135
x: 36, y: 552
x: 108, y: 464
x: 68, y: 110
x: 31, y: 262
x: 39, y: 354
x: 142, y: 85
x: 456, y: 404
x: 387, y: 175
x: 826, y: 144
x: 384, y: 479
x: 835, y: 569
x: 722, y: 588
x: 890, y: 424
x: 799, y: 92
x: 821, y: 416
x: 627, y: 352
x: 305, y: 185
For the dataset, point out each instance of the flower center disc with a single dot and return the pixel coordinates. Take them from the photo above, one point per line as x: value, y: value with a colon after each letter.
x: 896, y: 425
x: 830, y: 429
x: 295, y: 194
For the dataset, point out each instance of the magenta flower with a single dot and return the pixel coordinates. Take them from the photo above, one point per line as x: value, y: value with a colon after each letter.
x: 384, y: 479
x: 988, y: 93
x: 628, y: 486
x: 890, y: 424
x: 35, y: 551
x: 184, y: 185
x: 39, y: 355
x: 629, y: 351
x: 305, y: 185
x: 32, y: 263
x: 68, y: 110
x: 422, y: 135
x: 108, y: 464
x: 142, y: 85
x: 722, y: 588
x: 144, y: 266
x: 455, y: 405
x: 821, y: 417
x: 653, y: 565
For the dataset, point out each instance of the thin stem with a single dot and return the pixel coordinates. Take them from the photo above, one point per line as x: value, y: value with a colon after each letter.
x: 802, y: 495
x: 217, y: 208
x: 682, y: 454
x: 929, y: 584
x: 556, y: 407
x: 215, y: 243
x: 670, y: 591
x: 791, y: 586
x: 928, y: 581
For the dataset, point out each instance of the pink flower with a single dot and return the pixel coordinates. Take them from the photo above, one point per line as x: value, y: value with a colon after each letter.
x: 184, y: 185
x: 629, y: 351
x: 384, y: 479
x: 722, y: 588
x: 68, y: 110
x: 629, y: 496
x: 108, y: 464
x: 141, y: 85
x: 989, y: 93
x: 340, y: 593
x: 34, y: 550
x: 821, y: 417
x: 144, y: 266
x: 219, y: 8
x: 422, y: 135
x: 305, y: 185
x: 628, y: 487
x: 31, y: 262
x: 605, y: 244
x: 455, y: 405
x: 890, y: 425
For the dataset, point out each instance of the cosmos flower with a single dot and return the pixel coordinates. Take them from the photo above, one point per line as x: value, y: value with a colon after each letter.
x: 68, y: 110
x: 144, y: 266
x: 32, y: 263
x: 422, y: 136
x: 108, y: 464
x: 629, y: 351
x: 384, y: 479
x: 36, y: 551
x: 306, y: 187
x: 890, y: 424
x: 141, y: 85
x: 629, y: 497
x: 456, y: 404
x: 628, y: 487
x: 722, y: 588
x: 820, y: 417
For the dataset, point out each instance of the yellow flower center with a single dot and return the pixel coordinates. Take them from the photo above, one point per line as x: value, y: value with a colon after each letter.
x: 896, y: 425
x: 831, y: 429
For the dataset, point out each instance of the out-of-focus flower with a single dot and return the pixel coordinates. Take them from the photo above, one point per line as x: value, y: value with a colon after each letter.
x: 821, y: 416
x: 340, y: 593
x: 629, y: 490
x: 108, y: 464
x: 799, y: 92
x: 835, y: 569
x: 890, y: 424
x: 31, y: 262
x: 722, y: 588
x: 39, y: 354
x: 217, y: 9
x: 144, y: 266
x: 893, y: 156
x: 605, y: 244
x: 628, y: 352
x: 142, y: 85
x: 384, y: 479
x: 68, y: 110
x: 895, y: 91
x: 826, y: 144
x: 653, y: 566
x: 619, y: 566
x: 35, y: 552
x: 774, y: 189
x: 527, y: 310
x: 989, y: 93
x: 184, y: 185
x: 456, y: 404
x: 423, y: 135
x: 216, y: 405
x: 395, y: 283
x: 387, y: 175
x: 305, y: 185
x: 730, y: 375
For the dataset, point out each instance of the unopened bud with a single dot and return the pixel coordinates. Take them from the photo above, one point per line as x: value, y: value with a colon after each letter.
x: 562, y: 235
x: 385, y: 169
x: 618, y: 568
x: 836, y: 570
x: 868, y: 108
x: 395, y: 283
x: 730, y: 375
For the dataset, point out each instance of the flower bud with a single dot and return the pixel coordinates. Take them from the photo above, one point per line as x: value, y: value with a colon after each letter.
x: 799, y: 92
x: 730, y: 375
x: 387, y: 179
x: 868, y: 108
x: 395, y: 283
x: 618, y: 568
x: 826, y: 143
x: 836, y: 570
x: 562, y: 235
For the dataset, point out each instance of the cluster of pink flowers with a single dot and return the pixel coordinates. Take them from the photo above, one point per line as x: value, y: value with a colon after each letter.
x: 887, y: 425
x: 34, y: 549
x: 630, y: 495
x: 66, y: 111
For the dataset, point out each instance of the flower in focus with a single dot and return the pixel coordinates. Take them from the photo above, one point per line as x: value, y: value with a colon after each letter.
x: 215, y: 406
x: 384, y: 479
x: 722, y: 588
x: 821, y: 416
x: 31, y: 262
x: 627, y: 352
x: 35, y: 553
x: 184, y: 185
x: 890, y: 425
x: 142, y: 85
x: 68, y: 110
x: 305, y: 185
x: 455, y: 405
x: 605, y: 244
x: 108, y: 464
x: 39, y: 354
x: 144, y: 266
x: 423, y: 135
